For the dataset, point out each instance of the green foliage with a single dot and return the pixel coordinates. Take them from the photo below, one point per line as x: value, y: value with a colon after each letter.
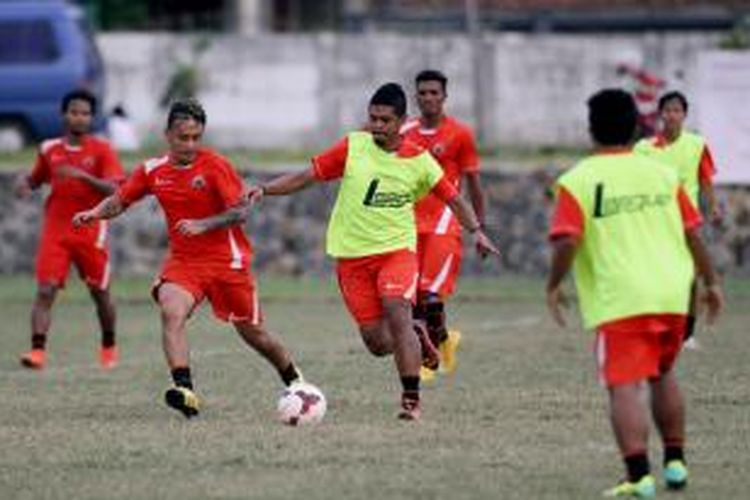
x: 739, y: 37
x: 185, y: 80
x: 118, y: 14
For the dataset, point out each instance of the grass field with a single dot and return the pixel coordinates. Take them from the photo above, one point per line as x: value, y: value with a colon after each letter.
x: 522, y: 419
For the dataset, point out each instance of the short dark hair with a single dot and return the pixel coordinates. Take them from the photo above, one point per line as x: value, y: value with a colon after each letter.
x: 673, y: 96
x: 78, y: 95
x: 186, y: 109
x: 390, y: 94
x: 432, y: 75
x: 613, y: 117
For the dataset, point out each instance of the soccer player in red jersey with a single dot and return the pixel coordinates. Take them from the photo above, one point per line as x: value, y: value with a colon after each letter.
x: 81, y: 170
x: 204, y: 203
x: 372, y: 233
x: 452, y: 144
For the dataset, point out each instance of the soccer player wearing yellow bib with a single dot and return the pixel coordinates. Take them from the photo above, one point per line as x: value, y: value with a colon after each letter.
x: 627, y: 227
x: 372, y: 230
x: 689, y: 154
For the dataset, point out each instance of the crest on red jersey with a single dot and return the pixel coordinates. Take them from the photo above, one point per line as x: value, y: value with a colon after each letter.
x: 198, y: 182
x: 87, y: 162
x: 438, y: 149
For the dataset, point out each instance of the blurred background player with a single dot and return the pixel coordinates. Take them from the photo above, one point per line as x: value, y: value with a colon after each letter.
x: 628, y: 227
x: 209, y: 254
x: 689, y: 154
x: 81, y: 170
x: 647, y: 87
x: 372, y: 233
x: 452, y: 144
x: 121, y: 130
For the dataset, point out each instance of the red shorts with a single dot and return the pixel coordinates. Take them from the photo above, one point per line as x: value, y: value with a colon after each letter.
x: 365, y: 281
x: 84, y: 247
x: 231, y: 292
x: 439, y: 257
x: 638, y: 348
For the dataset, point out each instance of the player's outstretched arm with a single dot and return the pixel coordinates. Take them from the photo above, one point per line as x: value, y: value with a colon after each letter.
x: 104, y: 186
x: 284, y: 184
x: 713, y: 296
x: 108, y: 208
x: 237, y: 214
x: 563, y: 253
x: 468, y: 219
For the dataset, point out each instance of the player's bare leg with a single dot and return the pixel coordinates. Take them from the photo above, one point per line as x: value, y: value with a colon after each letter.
x: 629, y: 418
x: 377, y: 338
x: 41, y: 319
x: 429, y: 314
x: 176, y: 303
x: 668, y: 410
x: 690, y: 341
x: 407, y: 353
x: 269, y: 346
x: 106, y: 313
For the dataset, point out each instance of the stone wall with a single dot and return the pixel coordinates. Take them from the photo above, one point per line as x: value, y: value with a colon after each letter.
x: 289, y: 233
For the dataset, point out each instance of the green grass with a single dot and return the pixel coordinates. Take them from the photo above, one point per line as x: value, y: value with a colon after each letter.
x: 522, y: 419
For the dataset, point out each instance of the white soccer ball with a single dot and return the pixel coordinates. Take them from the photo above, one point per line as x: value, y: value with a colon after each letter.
x: 300, y: 404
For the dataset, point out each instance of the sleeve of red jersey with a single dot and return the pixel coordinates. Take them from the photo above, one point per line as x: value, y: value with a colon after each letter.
x: 468, y: 159
x: 41, y: 172
x: 691, y: 218
x: 330, y: 164
x: 135, y: 187
x: 707, y: 168
x: 444, y: 190
x: 567, y: 218
x: 229, y: 184
x: 109, y: 164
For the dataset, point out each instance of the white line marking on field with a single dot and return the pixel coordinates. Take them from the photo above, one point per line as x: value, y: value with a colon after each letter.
x: 522, y: 321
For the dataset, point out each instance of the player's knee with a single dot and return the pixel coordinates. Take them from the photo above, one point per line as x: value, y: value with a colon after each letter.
x: 100, y: 296
x: 46, y: 294
x: 173, y: 311
x: 377, y: 348
x: 250, y: 330
x: 374, y: 341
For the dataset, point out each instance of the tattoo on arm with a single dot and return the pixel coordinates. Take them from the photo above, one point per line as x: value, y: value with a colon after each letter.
x: 230, y: 217
x: 110, y: 207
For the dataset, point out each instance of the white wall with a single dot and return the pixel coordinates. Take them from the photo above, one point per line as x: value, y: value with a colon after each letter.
x: 305, y: 90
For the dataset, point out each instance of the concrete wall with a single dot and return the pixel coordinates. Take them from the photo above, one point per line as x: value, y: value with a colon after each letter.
x: 302, y: 91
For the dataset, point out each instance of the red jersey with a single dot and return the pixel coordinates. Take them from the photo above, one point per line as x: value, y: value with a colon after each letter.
x: 452, y: 145
x: 207, y: 187
x: 68, y: 195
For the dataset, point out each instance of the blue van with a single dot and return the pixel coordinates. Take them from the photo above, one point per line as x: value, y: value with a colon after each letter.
x: 46, y: 50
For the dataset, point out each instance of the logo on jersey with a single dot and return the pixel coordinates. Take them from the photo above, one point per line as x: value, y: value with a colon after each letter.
x: 87, y: 162
x: 198, y: 182
x: 438, y: 149
x: 385, y: 199
x: 615, y: 205
x: 161, y: 181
